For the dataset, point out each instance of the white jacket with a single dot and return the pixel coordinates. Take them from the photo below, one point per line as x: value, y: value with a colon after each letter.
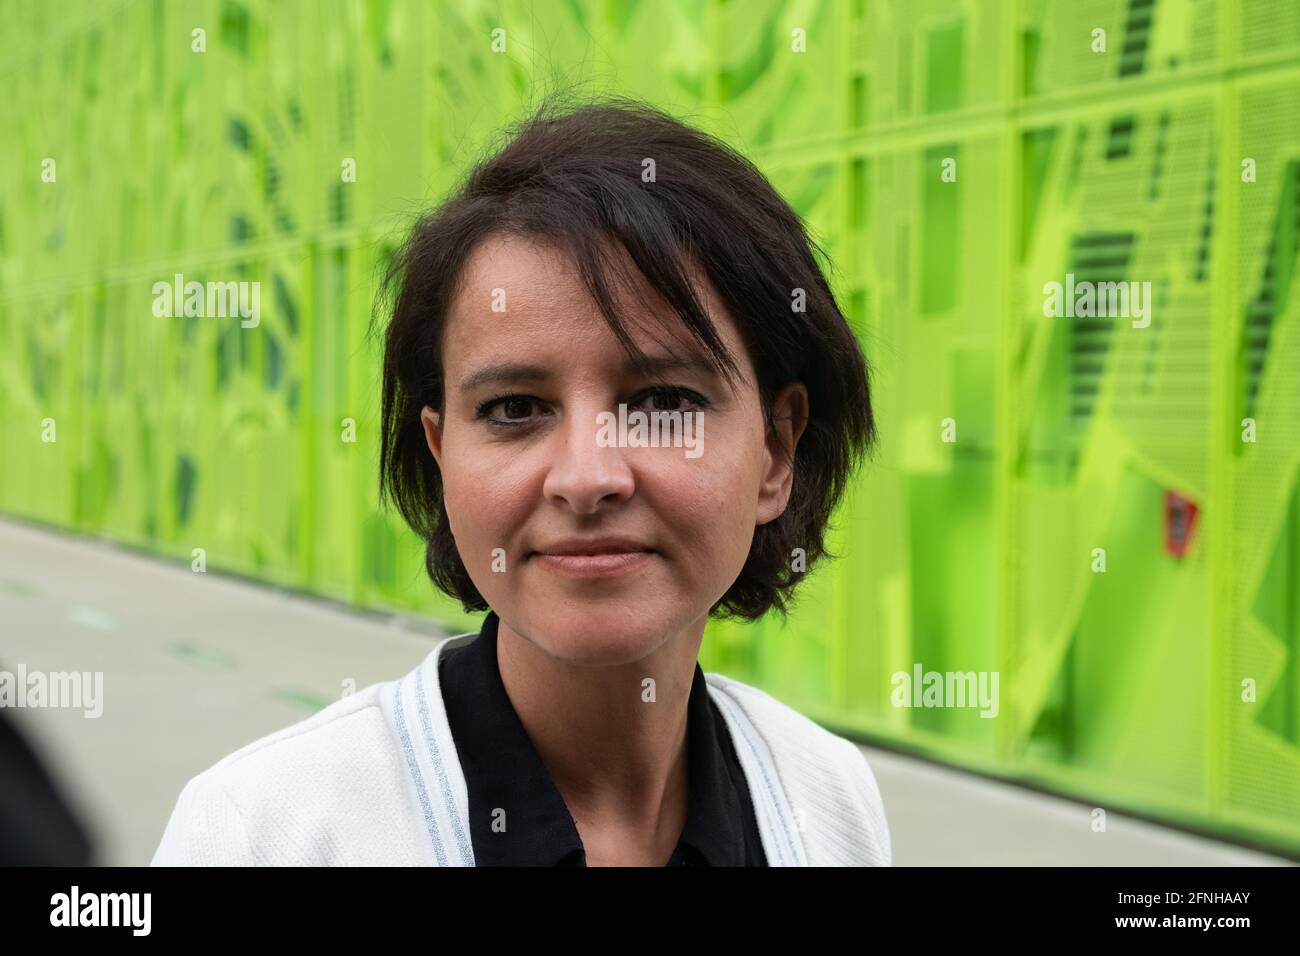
x: 374, y: 779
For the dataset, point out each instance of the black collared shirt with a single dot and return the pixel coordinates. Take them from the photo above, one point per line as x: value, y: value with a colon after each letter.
x: 504, y: 772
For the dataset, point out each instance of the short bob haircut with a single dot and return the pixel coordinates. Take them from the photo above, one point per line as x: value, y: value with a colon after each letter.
x: 574, y: 176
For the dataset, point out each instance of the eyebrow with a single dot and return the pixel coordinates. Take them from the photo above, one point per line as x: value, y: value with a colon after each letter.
x: 524, y: 372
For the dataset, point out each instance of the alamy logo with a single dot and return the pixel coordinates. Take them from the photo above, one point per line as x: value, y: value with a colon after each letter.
x: 60, y: 689
x: 655, y: 430
x: 102, y: 909
x: 223, y: 300
x: 1102, y: 300
x: 924, y: 688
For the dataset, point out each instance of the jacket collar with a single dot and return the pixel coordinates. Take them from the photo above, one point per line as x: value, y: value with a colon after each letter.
x: 416, y: 713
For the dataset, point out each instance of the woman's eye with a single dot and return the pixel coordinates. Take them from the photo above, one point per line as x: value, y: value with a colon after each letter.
x: 507, y: 410
x: 517, y: 407
x: 518, y: 410
x: 671, y: 399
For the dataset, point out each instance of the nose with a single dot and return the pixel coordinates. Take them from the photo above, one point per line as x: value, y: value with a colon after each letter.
x: 583, y: 474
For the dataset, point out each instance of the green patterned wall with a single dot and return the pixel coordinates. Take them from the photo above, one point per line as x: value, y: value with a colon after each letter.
x: 1122, y: 688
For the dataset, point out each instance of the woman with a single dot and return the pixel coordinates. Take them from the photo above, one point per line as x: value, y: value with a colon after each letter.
x: 619, y: 397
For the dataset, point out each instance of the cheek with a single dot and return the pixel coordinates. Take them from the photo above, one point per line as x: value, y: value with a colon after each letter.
x: 485, y: 502
x: 711, y: 502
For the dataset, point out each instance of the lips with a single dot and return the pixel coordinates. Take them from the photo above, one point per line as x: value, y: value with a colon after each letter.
x: 588, y: 546
x: 594, y: 558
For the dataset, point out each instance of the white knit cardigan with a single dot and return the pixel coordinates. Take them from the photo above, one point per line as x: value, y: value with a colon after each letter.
x: 374, y: 779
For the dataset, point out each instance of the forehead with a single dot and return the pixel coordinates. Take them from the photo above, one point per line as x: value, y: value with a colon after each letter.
x: 548, y: 310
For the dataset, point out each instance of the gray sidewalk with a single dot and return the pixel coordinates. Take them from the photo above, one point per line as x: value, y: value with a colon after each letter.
x: 197, y: 665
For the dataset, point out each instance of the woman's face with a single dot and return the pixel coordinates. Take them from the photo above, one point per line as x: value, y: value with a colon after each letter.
x: 528, y: 473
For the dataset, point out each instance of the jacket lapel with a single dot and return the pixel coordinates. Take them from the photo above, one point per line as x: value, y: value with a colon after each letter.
x: 771, y: 806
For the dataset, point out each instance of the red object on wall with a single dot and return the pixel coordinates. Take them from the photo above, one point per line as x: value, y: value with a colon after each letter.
x: 1180, y: 520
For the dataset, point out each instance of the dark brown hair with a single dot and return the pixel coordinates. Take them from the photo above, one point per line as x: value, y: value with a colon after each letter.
x: 573, y: 175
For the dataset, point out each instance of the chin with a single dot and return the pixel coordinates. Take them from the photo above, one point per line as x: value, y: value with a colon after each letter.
x: 600, y: 632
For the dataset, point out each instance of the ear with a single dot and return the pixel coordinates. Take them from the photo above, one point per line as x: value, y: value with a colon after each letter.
x: 432, y: 422
x: 790, y: 418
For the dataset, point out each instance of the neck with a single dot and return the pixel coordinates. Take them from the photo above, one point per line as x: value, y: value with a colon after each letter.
x: 615, y: 746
